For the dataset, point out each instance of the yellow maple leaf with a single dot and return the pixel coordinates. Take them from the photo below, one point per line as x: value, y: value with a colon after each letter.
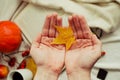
x: 65, y: 36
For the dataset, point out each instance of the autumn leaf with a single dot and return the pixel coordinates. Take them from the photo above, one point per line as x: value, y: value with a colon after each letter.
x: 65, y: 36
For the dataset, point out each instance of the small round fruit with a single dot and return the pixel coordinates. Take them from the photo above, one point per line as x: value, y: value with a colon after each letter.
x: 3, y: 71
x: 10, y: 37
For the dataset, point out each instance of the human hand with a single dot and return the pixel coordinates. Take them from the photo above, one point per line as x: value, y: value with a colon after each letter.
x: 49, y: 58
x: 84, y: 53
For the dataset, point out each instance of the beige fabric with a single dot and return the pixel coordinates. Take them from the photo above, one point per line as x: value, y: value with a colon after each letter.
x: 95, y: 1
x: 8, y: 8
x: 104, y: 14
x: 31, y: 19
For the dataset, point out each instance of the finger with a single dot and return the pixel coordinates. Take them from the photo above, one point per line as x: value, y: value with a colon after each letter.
x: 37, y: 41
x: 103, y: 53
x: 52, y: 24
x: 77, y: 27
x: 97, y: 45
x: 70, y: 20
x: 85, y: 28
x: 59, y: 23
x: 95, y: 40
x: 46, y: 26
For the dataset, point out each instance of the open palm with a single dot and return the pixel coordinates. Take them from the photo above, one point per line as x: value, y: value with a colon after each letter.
x: 46, y: 55
x: 87, y: 48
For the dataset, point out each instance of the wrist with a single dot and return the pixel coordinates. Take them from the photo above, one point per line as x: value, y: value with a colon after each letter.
x: 79, y: 75
x: 45, y: 74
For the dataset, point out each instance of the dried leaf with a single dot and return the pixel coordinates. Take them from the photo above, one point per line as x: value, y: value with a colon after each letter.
x: 65, y: 36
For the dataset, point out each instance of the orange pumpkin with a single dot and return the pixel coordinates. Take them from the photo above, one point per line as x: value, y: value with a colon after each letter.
x: 10, y: 37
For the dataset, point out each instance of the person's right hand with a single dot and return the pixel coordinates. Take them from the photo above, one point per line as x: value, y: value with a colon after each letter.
x: 49, y: 58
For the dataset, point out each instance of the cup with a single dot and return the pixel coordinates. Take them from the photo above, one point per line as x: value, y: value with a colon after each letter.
x: 20, y: 74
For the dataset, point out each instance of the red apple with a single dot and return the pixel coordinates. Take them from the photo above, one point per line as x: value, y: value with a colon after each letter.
x: 3, y: 71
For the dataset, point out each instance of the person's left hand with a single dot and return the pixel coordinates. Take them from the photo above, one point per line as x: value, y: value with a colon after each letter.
x: 47, y: 56
x: 85, y: 51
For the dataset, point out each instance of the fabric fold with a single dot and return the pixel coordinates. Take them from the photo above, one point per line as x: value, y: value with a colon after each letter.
x: 98, y: 16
